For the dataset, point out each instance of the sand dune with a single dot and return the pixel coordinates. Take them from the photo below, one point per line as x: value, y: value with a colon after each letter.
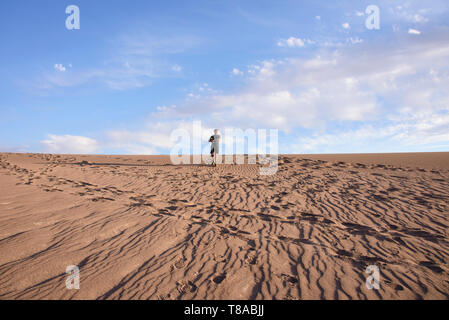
x: 141, y: 228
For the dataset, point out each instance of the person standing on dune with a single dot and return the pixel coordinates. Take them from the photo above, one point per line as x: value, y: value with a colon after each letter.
x: 215, y: 146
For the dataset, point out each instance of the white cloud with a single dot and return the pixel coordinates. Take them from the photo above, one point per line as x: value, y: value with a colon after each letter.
x: 237, y: 72
x: 410, y: 13
x: 354, y: 40
x: 346, y: 25
x: 410, y: 134
x: 291, y: 42
x: 414, y: 31
x: 318, y: 17
x: 59, y: 67
x: 137, y: 142
x: 70, y: 144
x: 359, y: 84
x: 419, y: 18
x: 329, y: 43
x: 154, y: 137
x: 176, y: 68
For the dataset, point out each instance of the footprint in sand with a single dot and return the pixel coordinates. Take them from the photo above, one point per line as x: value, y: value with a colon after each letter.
x: 219, y: 279
x: 186, y: 286
x: 288, y: 279
x: 180, y: 263
x: 101, y: 199
x: 251, y: 259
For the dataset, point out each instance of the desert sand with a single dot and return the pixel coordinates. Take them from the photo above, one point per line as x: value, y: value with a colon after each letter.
x: 139, y: 227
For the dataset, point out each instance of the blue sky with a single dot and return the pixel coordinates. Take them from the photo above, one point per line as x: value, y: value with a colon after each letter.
x: 137, y: 70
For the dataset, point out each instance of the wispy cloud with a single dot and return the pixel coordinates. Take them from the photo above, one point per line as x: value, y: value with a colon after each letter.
x: 176, y: 68
x: 237, y: 72
x: 147, y: 44
x: 291, y: 42
x: 70, y: 144
x: 414, y: 31
x: 411, y: 14
x: 59, y: 67
x: 412, y: 133
x: 134, y: 61
x: 154, y: 137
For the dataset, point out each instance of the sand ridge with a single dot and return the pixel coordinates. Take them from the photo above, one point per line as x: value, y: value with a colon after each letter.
x: 141, y: 228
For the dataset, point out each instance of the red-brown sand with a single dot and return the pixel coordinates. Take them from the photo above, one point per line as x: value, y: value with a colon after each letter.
x: 139, y: 227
